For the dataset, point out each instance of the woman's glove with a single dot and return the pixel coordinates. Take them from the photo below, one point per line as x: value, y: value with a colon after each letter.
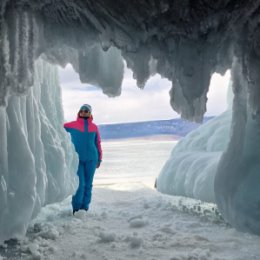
x: 98, y: 164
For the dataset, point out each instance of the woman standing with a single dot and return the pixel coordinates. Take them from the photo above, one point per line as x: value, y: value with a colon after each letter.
x: 86, y: 139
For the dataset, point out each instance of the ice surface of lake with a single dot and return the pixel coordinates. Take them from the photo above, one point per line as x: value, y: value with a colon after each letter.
x: 131, y: 163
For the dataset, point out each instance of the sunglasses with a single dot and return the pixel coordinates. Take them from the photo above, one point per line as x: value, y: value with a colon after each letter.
x: 84, y: 111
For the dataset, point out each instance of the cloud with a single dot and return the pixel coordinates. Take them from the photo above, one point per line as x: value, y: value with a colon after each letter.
x: 217, y: 95
x: 68, y: 75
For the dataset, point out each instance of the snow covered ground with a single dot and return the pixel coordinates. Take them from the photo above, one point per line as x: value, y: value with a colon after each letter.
x: 128, y: 219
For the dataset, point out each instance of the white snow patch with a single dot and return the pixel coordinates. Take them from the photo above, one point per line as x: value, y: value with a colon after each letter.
x: 137, y: 222
x: 106, y: 237
x: 49, y: 232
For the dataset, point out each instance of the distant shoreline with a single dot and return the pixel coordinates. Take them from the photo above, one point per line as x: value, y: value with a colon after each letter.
x: 147, y: 137
x: 167, y: 130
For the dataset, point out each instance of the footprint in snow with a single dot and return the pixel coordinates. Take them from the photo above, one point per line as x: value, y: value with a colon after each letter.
x: 106, y: 237
x: 134, y: 242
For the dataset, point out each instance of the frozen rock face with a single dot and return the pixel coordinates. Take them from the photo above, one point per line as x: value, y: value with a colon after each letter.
x: 37, y: 162
x: 236, y: 183
x: 180, y: 40
x: 184, y: 41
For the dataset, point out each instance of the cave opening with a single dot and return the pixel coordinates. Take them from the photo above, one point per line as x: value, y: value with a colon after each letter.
x: 135, y: 104
x: 132, y: 105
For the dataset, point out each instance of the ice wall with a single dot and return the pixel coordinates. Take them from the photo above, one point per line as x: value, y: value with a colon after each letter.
x: 184, y: 41
x: 37, y: 162
x: 190, y: 171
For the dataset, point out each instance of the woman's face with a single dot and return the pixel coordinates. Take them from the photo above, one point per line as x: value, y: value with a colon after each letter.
x: 84, y: 113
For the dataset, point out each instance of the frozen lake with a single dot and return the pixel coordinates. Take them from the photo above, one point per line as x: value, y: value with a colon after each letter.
x: 134, y: 162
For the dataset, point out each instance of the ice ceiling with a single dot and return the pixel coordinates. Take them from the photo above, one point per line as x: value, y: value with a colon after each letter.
x: 183, y: 40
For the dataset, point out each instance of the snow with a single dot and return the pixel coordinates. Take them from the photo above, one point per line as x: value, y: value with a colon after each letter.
x: 128, y: 219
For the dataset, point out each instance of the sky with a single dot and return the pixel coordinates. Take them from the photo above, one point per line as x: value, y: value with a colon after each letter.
x: 134, y: 104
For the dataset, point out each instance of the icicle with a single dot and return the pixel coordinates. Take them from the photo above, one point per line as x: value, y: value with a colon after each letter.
x: 139, y: 63
x: 31, y: 131
x: 104, y: 69
x: 4, y: 64
x: 22, y: 50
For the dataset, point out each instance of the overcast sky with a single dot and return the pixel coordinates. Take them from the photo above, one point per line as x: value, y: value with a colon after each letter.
x: 134, y: 104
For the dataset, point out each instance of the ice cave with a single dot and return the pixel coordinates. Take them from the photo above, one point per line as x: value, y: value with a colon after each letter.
x: 184, y: 41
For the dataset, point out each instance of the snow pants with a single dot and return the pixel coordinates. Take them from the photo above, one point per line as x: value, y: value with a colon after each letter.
x: 82, y: 197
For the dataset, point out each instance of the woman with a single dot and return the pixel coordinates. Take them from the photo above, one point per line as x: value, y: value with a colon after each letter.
x: 86, y: 139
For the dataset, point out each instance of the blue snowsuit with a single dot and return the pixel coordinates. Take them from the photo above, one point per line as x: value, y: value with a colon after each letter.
x: 86, y: 139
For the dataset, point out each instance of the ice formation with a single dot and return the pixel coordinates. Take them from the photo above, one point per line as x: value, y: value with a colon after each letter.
x: 184, y: 41
x: 191, y: 168
x: 190, y: 171
x: 36, y: 158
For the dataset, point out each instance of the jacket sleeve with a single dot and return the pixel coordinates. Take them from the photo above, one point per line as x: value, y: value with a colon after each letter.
x: 98, y: 144
x: 67, y: 127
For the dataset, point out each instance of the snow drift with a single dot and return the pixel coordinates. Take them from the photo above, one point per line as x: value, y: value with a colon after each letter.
x: 184, y: 41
